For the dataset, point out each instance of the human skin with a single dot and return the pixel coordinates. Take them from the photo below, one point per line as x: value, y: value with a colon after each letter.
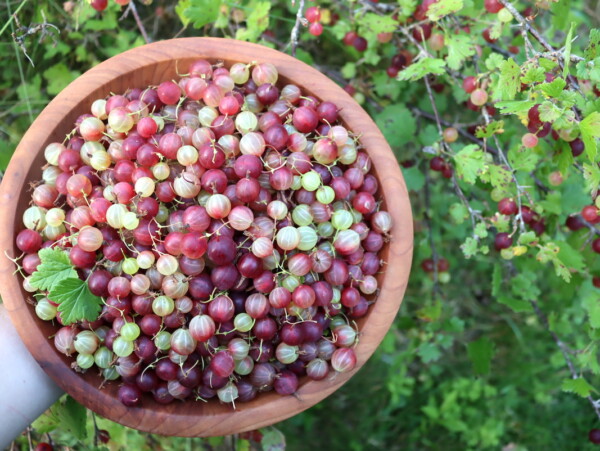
x: 25, y: 390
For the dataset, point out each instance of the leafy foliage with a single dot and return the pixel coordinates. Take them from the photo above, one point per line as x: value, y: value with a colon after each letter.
x: 57, y: 275
x: 55, y: 266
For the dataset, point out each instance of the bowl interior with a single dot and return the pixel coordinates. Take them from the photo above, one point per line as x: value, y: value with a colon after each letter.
x: 149, y: 65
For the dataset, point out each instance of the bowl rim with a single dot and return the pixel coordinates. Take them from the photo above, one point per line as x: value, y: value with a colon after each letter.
x: 181, y: 419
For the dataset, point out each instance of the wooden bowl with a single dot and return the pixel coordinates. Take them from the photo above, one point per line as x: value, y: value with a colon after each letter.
x: 149, y: 65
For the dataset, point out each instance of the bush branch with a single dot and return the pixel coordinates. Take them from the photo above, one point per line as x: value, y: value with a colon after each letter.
x: 563, y: 349
x: 296, y: 29
x: 134, y: 12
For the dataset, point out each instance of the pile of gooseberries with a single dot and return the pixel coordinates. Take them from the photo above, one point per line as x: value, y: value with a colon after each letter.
x: 231, y: 226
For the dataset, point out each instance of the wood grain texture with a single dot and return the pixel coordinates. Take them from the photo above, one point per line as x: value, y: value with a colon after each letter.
x: 149, y: 65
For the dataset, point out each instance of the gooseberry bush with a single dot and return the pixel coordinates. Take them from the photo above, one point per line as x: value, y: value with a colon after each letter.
x: 492, y: 110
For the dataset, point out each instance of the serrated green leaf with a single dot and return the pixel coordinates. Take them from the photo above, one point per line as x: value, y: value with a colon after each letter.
x: 407, y: 7
x: 304, y: 56
x: 527, y: 237
x: 554, y: 88
x: 567, y: 51
x: 421, y: 68
x: 572, y: 258
x: 496, y: 30
x: 202, y: 12
x: 256, y: 23
x: 180, y: 8
x: 76, y: 301
x: 469, y: 247
x: 73, y: 417
x: 107, y: 22
x: 480, y: 353
x: 349, y: 70
x: 340, y: 28
x: 384, y: 87
x: 549, y: 112
x: 524, y: 286
x: 258, y: 20
x: 48, y: 421
x: 533, y: 75
x: 590, y: 130
x: 481, y: 230
x: 429, y: 352
x: 55, y: 266
x: 516, y: 305
x: 442, y: 8
x: 469, y: 162
x: 494, y: 61
x: 458, y: 212
x: 591, y: 175
x: 565, y: 121
x: 523, y: 159
x: 564, y: 159
x: 578, y: 386
x: 547, y: 64
x: 499, y: 176
x: 414, y: 178
x: 58, y: 77
x: 373, y: 24
x: 460, y: 47
x: 515, y: 106
x: 589, y: 70
x: 430, y: 312
x: 509, y: 81
x: 487, y: 131
x: 589, y: 359
x: 592, y: 49
x: 570, y: 98
x: 272, y: 439
x: 549, y: 253
x: 552, y: 203
x: 397, y: 124
x: 592, y: 307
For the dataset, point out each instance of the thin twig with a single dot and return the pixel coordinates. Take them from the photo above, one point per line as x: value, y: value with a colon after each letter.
x: 520, y: 189
x: 29, y: 441
x: 459, y: 192
x: 133, y: 9
x: 95, y: 429
x: 434, y: 254
x: 296, y: 29
x: 434, y: 107
x: 474, y: 214
x: 526, y: 25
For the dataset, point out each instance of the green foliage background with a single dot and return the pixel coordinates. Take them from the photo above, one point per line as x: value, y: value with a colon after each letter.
x: 468, y: 364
